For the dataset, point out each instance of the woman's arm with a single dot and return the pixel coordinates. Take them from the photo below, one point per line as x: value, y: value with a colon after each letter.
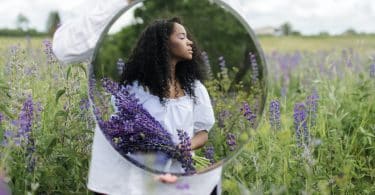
x: 75, y: 40
x: 199, y: 139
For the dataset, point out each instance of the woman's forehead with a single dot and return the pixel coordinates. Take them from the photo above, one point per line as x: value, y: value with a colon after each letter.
x: 178, y: 28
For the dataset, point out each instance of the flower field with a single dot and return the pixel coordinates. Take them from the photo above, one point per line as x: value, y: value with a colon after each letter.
x: 316, y: 135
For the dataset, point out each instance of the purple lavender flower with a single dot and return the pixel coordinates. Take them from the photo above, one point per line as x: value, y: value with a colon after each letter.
x: 133, y: 129
x: 25, y: 119
x: 231, y: 141
x: 254, y: 67
x: 120, y: 66
x: 248, y: 114
x: 48, y: 51
x: 312, y: 107
x: 209, y: 153
x: 275, y: 114
x: 300, y: 123
x: 372, y: 71
x: 185, y: 149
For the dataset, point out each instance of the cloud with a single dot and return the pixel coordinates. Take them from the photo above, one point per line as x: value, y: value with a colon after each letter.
x: 311, y: 17
x: 306, y: 16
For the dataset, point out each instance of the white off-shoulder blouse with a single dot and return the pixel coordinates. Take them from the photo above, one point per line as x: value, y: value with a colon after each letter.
x: 112, y: 174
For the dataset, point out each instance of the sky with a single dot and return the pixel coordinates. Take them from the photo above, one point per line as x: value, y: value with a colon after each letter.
x: 307, y: 16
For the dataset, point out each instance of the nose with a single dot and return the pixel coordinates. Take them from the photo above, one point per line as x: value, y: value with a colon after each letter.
x: 190, y: 42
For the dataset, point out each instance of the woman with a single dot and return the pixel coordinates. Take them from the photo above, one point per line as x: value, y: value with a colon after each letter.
x: 164, y: 74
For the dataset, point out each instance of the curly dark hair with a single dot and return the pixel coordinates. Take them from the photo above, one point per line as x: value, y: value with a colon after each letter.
x: 148, y: 62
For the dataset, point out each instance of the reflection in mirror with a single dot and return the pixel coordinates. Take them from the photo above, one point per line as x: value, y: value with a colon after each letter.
x: 141, y: 123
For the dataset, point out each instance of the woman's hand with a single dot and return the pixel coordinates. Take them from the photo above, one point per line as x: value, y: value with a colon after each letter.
x: 167, y: 178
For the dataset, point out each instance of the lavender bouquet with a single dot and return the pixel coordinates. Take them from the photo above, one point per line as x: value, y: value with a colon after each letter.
x: 132, y: 129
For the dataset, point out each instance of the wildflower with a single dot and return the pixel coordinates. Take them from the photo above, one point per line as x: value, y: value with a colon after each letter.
x: 84, y: 104
x: 49, y: 52
x: 248, y: 114
x: 185, y: 149
x: 8, y: 135
x: 312, y: 107
x: 1, y: 117
x: 300, y: 123
x: 254, y: 67
x: 231, y: 141
x: 25, y: 119
x: 275, y: 114
x: 209, y: 153
x: 133, y: 129
x: 372, y: 70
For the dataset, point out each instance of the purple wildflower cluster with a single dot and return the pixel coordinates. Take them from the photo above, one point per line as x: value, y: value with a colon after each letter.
x: 1, y: 117
x: 23, y: 136
x: 275, y: 115
x: 185, y: 149
x: 254, y: 67
x: 300, y: 124
x: 49, y: 52
x: 133, y: 129
x: 231, y: 141
x: 312, y: 107
x: 248, y: 114
x: 25, y: 119
x: 372, y: 71
x: 209, y: 153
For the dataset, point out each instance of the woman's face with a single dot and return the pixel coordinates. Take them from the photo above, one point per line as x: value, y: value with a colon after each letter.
x: 180, y: 46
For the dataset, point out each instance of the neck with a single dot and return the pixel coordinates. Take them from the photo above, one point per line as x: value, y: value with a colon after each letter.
x: 173, y: 63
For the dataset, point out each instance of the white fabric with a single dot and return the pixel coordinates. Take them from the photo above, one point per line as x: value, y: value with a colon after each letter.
x: 177, y: 113
x: 109, y: 172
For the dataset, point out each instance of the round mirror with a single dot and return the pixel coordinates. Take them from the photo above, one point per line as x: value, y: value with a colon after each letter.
x: 194, y: 120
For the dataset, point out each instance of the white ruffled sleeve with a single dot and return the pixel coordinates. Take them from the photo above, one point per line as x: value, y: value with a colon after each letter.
x: 75, y: 40
x: 204, y: 118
